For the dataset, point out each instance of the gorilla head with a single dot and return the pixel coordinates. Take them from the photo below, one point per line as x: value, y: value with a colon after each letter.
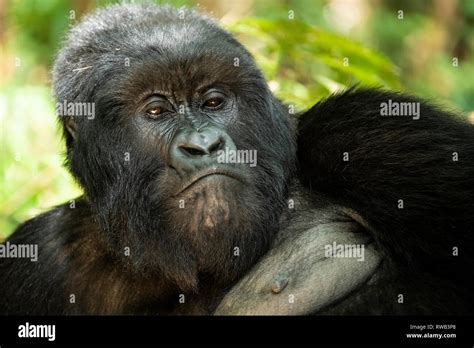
x: 172, y: 92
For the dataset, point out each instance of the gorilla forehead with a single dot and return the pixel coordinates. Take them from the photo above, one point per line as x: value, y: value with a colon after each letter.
x: 171, y: 71
x: 168, y: 31
x: 163, y: 47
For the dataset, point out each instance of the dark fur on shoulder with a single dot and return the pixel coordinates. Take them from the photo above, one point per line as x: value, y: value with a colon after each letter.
x: 427, y: 162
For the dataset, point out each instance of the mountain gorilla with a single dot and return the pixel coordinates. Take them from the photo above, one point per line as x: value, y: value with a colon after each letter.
x: 343, y: 211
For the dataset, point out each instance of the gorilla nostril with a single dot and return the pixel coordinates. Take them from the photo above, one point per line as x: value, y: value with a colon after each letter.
x: 192, y: 150
x: 218, y: 145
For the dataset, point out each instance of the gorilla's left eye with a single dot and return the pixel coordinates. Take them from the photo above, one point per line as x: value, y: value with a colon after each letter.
x: 214, y: 101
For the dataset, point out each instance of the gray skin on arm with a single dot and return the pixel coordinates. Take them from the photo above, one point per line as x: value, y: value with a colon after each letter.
x: 297, y: 277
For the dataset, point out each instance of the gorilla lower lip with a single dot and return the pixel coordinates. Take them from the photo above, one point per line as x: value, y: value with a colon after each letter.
x: 212, y: 172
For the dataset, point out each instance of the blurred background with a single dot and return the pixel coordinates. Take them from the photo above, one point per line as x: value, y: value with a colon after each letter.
x: 307, y: 49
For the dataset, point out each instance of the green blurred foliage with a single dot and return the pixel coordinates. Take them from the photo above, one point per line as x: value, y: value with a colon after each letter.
x: 412, y: 43
x: 304, y: 58
x: 307, y: 63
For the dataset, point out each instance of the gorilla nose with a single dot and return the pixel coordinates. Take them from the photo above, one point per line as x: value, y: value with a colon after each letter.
x: 203, y: 146
x: 194, y: 150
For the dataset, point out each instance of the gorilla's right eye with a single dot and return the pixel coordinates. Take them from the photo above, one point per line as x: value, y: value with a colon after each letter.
x: 153, y: 111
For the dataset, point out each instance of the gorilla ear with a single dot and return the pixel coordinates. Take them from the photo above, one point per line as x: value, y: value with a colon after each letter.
x: 71, y: 126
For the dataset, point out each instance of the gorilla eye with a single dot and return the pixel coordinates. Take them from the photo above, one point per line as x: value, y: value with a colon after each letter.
x: 213, y: 102
x: 155, y: 110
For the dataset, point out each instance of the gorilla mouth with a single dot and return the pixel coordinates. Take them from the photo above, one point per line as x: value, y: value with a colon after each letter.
x: 196, y: 177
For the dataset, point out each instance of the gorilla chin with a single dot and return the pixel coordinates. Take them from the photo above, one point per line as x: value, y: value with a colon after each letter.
x: 208, y: 201
x: 220, y: 215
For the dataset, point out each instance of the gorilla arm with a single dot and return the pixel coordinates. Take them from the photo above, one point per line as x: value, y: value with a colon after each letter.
x: 296, y: 277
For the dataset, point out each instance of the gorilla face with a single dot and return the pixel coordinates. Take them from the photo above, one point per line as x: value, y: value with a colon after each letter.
x: 169, y: 105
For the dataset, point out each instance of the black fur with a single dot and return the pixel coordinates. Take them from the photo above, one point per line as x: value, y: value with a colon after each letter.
x: 130, y: 203
x: 392, y: 158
